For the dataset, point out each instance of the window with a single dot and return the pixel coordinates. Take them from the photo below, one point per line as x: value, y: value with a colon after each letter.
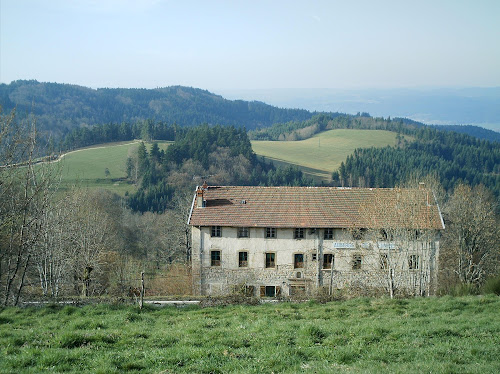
x: 243, y: 232
x: 215, y: 258
x: 356, y: 262
x: 298, y: 260
x: 384, y: 263
x: 328, y: 234
x: 298, y: 233
x: 270, y: 291
x: 328, y: 261
x: 243, y: 259
x: 244, y: 290
x: 413, y: 261
x: 270, y: 260
x: 384, y: 235
x: 270, y: 232
x: 358, y: 234
x: 314, y: 256
x: 216, y: 231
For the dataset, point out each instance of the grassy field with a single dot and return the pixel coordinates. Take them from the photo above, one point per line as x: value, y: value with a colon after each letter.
x: 86, y: 167
x: 320, y: 155
x: 439, y: 335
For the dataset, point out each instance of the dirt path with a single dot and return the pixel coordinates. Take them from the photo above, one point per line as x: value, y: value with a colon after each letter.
x: 84, y: 149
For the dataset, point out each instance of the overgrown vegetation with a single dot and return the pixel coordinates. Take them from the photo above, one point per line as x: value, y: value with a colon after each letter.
x: 439, y: 335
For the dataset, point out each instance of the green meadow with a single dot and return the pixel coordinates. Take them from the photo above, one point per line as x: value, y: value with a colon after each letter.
x: 421, y: 335
x: 322, y: 154
x: 86, y: 167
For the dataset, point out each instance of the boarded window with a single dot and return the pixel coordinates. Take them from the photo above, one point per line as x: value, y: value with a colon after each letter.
x: 215, y: 258
x: 384, y: 261
x: 243, y: 259
x: 328, y: 261
x: 270, y: 260
x: 270, y: 232
x: 216, y: 231
x: 356, y: 262
x: 328, y: 234
x: 298, y: 260
x: 413, y: 262
x: 243, y: 232
x: 298, y: 233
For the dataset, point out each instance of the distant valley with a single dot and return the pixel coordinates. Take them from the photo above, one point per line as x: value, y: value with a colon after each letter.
x: 438, y: 106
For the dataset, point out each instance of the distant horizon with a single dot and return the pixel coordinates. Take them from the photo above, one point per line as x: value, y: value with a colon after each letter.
x: 475, y: 106
x: 245, y: 89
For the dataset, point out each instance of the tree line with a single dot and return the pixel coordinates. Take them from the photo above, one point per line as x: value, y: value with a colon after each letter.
x: 220, y: 155
x: 454, y: 158
x: 61, y: 107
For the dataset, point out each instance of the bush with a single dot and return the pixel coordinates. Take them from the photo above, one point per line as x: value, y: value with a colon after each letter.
x: 492, y: 285
x: 463, y: 289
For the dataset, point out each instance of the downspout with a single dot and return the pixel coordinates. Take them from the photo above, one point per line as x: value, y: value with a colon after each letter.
x: 201, y: 259
x: 319, y: 257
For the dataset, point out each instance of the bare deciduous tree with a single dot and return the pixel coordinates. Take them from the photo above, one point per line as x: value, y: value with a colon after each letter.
x: 472, y: 240
x: 25, y: 190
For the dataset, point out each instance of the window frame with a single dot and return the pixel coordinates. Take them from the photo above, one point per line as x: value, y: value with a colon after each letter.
x: 328, y: 234
x: 296, y: 264
x: 357, y: 261
x: 242, y: 263
x: 299, y: 233
x: 243, y: 232
x: 270, y: 233
x: 331, y: 263
x: 264, y: 289
x: 216, y: 232
x: 214, y: 262
x: 384, y: 261
x: 268, y: 264
x: 413, y: 262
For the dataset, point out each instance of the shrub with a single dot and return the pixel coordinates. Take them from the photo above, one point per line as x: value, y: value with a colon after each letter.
x: 463, y: 289
x: 492, y: 285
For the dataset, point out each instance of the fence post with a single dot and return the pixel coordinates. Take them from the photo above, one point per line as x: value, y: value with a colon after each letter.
x: 141, y: 301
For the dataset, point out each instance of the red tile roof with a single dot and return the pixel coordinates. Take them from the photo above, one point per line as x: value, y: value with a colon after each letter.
x: 316, y: 207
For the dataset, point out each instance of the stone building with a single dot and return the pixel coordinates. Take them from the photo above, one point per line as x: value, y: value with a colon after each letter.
x: 286, y: 241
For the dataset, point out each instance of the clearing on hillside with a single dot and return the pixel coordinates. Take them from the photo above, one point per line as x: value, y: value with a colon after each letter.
x: 322, y: 154
x: 87, y: 166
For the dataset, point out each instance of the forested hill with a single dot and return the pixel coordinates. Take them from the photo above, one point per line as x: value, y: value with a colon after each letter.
x: 60, y: 107
x: 476, y: 131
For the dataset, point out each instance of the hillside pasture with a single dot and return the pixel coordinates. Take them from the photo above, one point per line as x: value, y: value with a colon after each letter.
x: 323, y: 153
x: 86, y: 167
x: 421, y: 335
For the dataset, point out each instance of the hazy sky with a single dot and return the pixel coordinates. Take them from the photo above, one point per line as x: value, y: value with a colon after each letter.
x: 252, y: 44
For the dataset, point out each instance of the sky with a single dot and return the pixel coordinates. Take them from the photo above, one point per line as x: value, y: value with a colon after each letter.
x: 226, y: 45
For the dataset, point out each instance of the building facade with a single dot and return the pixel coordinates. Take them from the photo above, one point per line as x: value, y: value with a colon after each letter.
x: 287, y: 241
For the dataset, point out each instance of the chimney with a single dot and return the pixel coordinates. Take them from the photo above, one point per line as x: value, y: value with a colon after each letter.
x: 199, y: 198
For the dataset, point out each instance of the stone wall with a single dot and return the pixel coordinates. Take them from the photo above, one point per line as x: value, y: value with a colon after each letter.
x: 221, y: 279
